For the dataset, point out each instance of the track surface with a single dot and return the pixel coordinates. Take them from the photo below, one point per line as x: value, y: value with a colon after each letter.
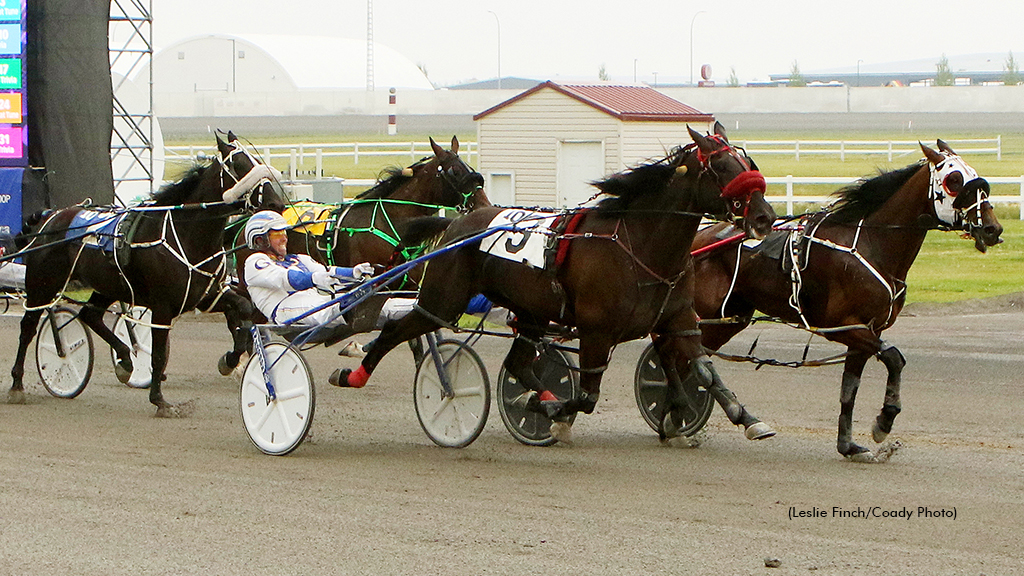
x: 98, y: 486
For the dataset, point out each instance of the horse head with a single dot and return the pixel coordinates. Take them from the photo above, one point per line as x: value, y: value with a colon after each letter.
x: 243, y: 177
x: 450, y: 181
x: 729, y: 183
x: 960, y: 197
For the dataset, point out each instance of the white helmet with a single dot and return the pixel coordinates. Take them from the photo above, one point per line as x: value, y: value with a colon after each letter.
x: 261, y: 223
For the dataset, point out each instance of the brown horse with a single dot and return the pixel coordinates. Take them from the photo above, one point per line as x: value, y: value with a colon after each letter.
x: 171, y: 260
x: 389, y: 223
x: 843, y: 272
x: 626, y: 273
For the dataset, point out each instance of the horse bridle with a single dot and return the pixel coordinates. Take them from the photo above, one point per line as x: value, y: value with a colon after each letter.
x: 253, y: 199
x: 457, y: 182
x: 949, y: 204
x: 738, y: 191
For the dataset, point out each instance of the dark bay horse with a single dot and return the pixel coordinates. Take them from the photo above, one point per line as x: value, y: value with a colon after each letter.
x: 626, y: 274
x: 170, y: 260
x: 390, y: 222
x: 843, y: 273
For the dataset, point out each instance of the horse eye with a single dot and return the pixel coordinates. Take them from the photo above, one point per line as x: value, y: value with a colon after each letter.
x: 954, y: 183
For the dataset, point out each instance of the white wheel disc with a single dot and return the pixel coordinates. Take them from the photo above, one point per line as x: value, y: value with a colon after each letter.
x: 456, y: 421
x: 142, y: 351
x: 279, y: 425
x: 64, y: 376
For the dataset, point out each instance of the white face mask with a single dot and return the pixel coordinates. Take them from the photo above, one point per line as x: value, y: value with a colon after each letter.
x: 940, y: 193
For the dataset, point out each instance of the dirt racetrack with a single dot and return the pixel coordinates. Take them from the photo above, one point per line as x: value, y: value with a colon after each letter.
x: 98, y: 486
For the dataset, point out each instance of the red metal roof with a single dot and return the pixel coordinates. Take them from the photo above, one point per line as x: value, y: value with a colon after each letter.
x: 627, y: 103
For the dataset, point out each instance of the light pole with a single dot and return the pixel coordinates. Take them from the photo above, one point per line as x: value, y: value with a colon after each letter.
x: 858, y: 73
x: 498, y: 22
x: 655, y: 79
x: 691, y: 43
x: 634, y: 70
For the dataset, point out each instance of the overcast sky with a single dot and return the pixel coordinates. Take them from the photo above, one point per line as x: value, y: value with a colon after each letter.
x: 457, y: 40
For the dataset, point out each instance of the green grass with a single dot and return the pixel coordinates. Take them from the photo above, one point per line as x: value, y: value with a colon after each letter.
x: 948, y: 268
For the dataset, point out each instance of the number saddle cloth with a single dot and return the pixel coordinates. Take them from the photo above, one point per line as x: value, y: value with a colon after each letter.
x: 536, y: 238
x: 110, y: 230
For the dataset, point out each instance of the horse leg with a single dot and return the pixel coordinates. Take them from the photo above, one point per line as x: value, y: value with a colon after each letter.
x: 852, y: 370
x: 412, y: 325
x: 238, y: 312
x: 29, y: 322
x: 894, y: 363
x: 92, y: 315
x: 595, y: 349
x: 161, y: 352
x: 753, y: 427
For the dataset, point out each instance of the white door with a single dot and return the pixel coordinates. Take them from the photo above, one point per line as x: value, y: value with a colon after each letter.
x: 579, y: 163
x: 501, y: 188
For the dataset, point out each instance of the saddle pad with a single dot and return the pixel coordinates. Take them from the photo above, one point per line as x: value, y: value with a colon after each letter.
x: 527, y: 244
x: 316, y: 214
x: 95, y: 229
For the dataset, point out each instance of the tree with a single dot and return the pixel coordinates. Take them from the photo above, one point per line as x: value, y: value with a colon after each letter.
x: 943, y: 74
x: 1011, y: 74
x: 602, y: 74
x: 795, y: 78
x: 734, y: 80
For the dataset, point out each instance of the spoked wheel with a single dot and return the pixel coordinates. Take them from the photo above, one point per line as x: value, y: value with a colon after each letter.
x: 456, y: 420
x: 64, y: 353
x: 554, y: 369
x: 277, y: 425
x: 138, y: 337
x: 650, y: 386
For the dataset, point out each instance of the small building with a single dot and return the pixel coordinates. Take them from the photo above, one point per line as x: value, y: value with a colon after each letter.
x: 544, y: 146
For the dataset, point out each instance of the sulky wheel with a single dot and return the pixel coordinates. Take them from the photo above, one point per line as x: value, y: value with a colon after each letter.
x: 138, y: 337
x: 554, y: 368
x: 64, y: 353
x: 452, y: 420
x: 650, y: 386
x: 277, y: 425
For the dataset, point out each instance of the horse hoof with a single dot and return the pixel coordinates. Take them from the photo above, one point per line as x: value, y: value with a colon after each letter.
x: 525, y: 401
x: 239, y: 370
x: 669, y: 427
x: 352, y: 350
x: 123, y: 374
x: 342, y: 379
x: 759, y: 431
x: 562, y: 431
x: 223, y: 366
x: 877, y: 434
x: 16, y: 397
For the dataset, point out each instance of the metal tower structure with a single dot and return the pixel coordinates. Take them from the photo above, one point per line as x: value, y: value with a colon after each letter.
x: 369, y: 45
x: 130, y: 47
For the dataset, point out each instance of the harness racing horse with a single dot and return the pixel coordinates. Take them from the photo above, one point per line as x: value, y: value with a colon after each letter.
x: 626, y: 274
x: 845, y: 270
x: 170, y: 261
x: 391, y: 222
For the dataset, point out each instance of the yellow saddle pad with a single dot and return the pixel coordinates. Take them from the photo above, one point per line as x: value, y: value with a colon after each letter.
x: 308, y: 217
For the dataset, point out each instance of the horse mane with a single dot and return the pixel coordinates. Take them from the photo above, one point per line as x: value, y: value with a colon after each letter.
x: 178, y: 192
x: 389, y: 180
x: 868, y: 194
x: 625, y: 187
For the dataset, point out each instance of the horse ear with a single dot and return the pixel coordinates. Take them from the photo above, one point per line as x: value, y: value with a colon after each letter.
x: 943, y: 147
x: 703, y: 143
x: 438, y: 151
x: 720, y: 130
x: 932, y: 156
x: 222, y: 146
x: 231, y: 136
x: 455, y: 144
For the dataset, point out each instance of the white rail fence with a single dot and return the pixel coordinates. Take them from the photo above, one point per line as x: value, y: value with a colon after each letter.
x: 298, y: 153
x: 889, y: 148
x: 789, y: 198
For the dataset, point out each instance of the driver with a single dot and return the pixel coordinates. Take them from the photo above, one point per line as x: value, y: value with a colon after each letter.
x: 284, y: 286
